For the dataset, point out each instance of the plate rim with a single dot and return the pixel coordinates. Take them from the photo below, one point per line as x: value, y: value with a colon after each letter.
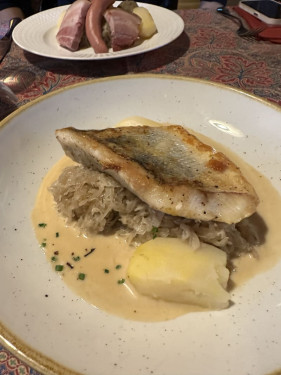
x: 105, y: 56
x: 162, y: 76
x: 8, y: 339
x: 32, y: 357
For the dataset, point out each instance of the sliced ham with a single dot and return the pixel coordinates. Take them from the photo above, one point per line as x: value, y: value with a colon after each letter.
x: 124, y: 28
x: 73, y: 25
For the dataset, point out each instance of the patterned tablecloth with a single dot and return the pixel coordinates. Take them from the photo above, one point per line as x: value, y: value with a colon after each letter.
x: 208, y: 49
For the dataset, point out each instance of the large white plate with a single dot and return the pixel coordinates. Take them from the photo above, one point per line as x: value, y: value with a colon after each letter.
x: 244, y: 339
x: 37, y: 34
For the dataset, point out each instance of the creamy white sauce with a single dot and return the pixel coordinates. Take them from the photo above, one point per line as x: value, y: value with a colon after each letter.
x: 102, y: 286
x: 105, y: 284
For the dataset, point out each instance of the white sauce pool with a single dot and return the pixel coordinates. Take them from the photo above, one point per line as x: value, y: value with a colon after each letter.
x: 105, y: 284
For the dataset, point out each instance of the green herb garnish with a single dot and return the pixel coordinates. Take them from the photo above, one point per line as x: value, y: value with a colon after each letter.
x: 106, y: 270
x: 42, y: 225
x: 43, y: 244
x: 154, y: 232
x: 118, y: 266
x: 121, y: 281
x: 81, y: 276
x: 57, y: 234
x: 54, y: 259
x: 76, y: 259
x: 59, y: 267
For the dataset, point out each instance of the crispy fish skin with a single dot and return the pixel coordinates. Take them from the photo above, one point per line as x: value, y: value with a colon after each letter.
x: 166, y: 167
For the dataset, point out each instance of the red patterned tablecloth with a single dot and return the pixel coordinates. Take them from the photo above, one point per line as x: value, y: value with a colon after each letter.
x: 208, y: 49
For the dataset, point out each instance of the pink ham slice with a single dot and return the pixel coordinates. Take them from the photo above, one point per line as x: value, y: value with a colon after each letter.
x: 124, y: 28
x: 73, y: 25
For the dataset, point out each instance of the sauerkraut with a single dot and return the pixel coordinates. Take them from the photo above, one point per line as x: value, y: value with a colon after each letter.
x: 97, y: 204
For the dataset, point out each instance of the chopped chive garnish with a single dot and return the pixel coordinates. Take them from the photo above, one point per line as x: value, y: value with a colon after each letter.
x: 81, y: 276
x: 76, y: 259
x: 121, y: 281
x: 43, y: 244
x: 118, y: 266
x: 54, y: 259
x: 57, y: 234
x: 59, y: 267
x: 106, y: 270
x: 42, y: 225
x: 154, y: 232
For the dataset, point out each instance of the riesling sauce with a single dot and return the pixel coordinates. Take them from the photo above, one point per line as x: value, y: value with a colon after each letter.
x: 95, y: 267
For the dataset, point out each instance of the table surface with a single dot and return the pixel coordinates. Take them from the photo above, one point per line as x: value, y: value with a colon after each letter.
x: 208, y: 49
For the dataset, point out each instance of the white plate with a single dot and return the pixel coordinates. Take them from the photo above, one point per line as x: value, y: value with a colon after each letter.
x: 37, y: 34
x: 244, y: 339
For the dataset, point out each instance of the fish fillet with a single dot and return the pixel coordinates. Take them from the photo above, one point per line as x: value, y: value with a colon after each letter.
x: 166, y: 167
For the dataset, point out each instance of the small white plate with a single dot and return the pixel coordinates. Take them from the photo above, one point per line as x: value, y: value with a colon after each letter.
x: 37, y: 34
x: 68, y: 332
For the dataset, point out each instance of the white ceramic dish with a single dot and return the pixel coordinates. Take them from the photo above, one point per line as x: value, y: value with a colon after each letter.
x: 244, y: 339
x: 37, y: 34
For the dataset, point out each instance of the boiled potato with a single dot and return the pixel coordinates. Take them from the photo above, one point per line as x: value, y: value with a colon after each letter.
x: 169, y: 269
x: 147, y: 27
x: 60, y: 18
x: 137, y: 121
